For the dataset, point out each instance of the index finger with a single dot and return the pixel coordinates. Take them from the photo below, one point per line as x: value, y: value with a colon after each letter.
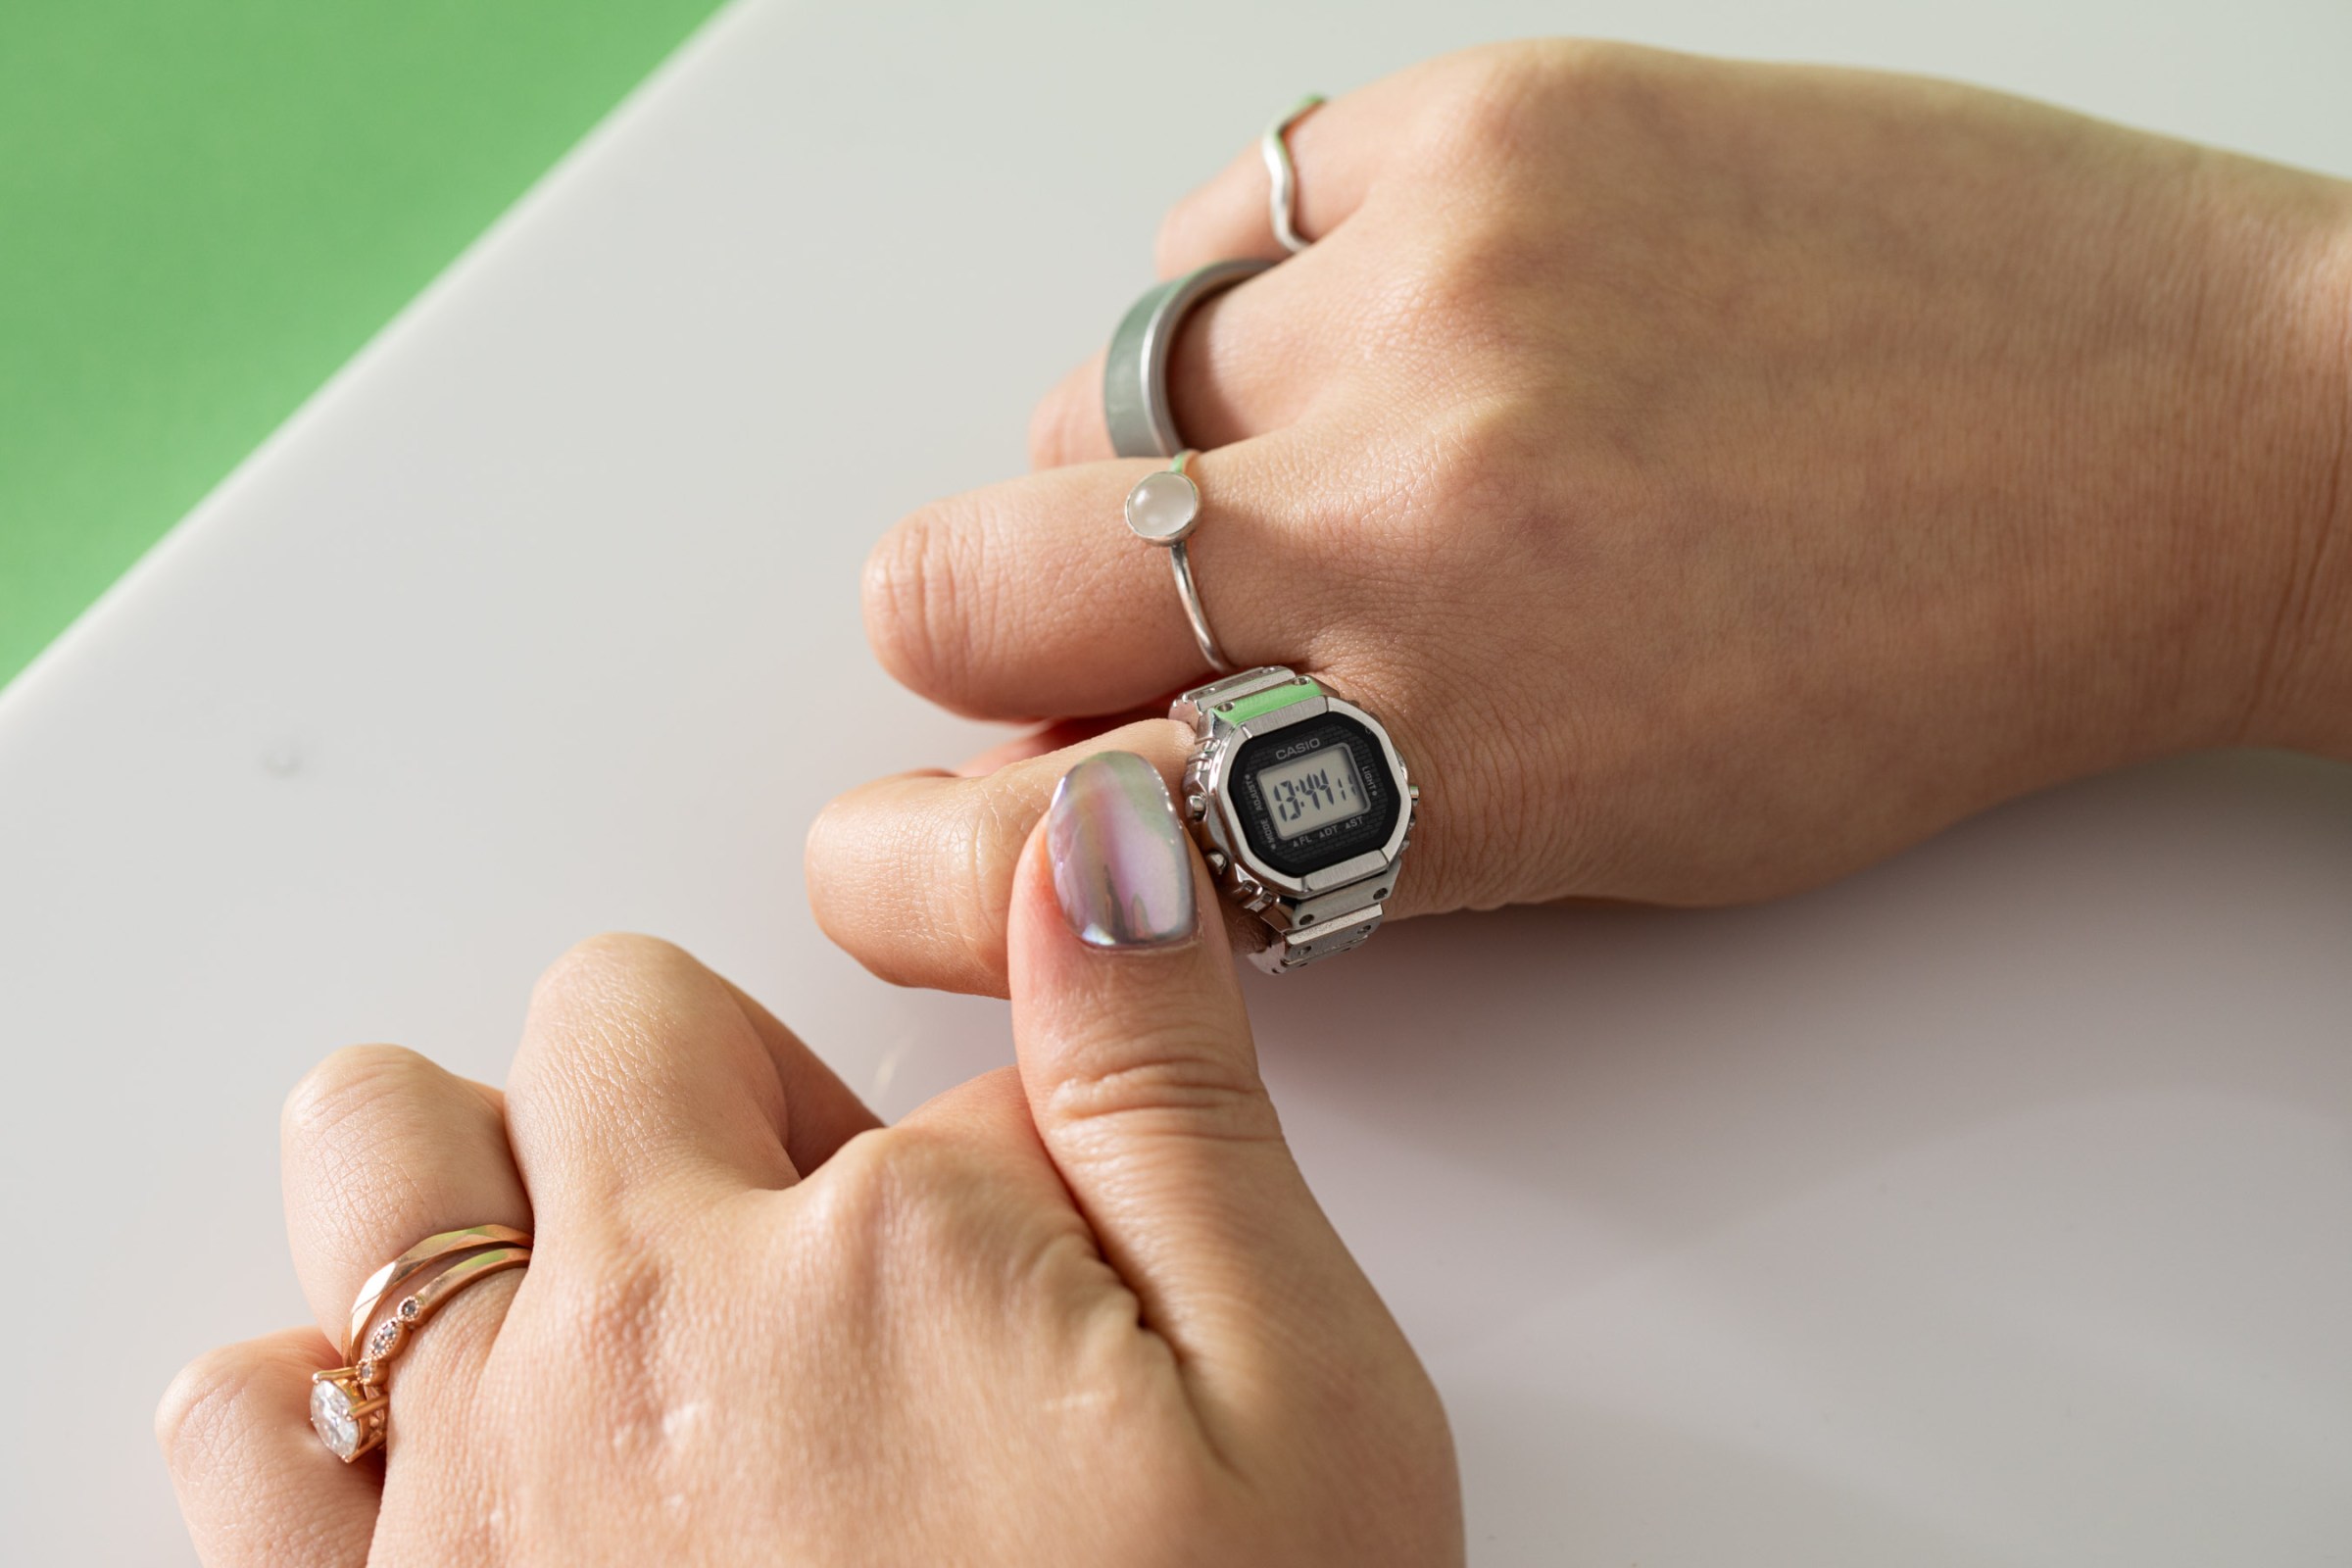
x: 912, y: 875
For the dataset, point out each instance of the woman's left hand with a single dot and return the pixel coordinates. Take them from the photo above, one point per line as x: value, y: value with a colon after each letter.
x: 1086, y: 1311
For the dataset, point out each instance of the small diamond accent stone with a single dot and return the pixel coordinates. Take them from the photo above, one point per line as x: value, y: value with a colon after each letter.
x: 409, y: 1309
x: 386, y: 1335
x: 332, y: 1420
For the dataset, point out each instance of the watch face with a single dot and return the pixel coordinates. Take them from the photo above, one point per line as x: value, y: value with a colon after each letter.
x: 1315, y: 793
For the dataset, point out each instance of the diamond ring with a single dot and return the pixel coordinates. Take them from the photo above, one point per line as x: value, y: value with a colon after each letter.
x: 350, y: 1404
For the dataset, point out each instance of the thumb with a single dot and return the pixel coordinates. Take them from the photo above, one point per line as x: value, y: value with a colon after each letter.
x: 1136, y: 1056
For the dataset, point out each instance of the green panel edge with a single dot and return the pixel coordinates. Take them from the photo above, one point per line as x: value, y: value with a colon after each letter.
x: 206, y: 208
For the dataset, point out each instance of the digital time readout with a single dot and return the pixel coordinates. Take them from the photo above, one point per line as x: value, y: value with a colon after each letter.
x: 1305, y: 793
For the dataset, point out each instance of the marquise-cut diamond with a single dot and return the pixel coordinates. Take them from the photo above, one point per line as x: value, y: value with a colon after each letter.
x: 332, y: 1420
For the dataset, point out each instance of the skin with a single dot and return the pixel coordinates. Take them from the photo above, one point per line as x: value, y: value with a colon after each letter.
x: 1083, y: 1311
x: 1717, y: 476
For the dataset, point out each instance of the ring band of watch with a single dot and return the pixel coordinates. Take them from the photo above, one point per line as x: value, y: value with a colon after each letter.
x: 1302, y: 807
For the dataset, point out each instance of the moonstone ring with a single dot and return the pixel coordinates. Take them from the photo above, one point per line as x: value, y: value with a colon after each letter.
x: 1162, y: 510
x: 350, y: 1404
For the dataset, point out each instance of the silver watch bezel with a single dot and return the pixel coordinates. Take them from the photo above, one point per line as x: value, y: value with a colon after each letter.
x: 1224, y: 747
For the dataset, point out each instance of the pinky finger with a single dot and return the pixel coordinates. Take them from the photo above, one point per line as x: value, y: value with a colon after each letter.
x: 255, y: 1486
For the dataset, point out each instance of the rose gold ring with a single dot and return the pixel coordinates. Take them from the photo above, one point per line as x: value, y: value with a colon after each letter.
x: 350, y: 1406
x: 430, y: 1250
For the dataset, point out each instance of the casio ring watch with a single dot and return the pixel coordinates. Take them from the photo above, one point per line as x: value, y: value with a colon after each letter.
x: 1300, y: 807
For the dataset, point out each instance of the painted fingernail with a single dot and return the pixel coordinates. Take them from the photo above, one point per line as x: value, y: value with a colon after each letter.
x: 1120, y: 866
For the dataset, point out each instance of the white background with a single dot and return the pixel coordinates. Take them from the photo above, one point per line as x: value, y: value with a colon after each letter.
x: 1994, y: 1206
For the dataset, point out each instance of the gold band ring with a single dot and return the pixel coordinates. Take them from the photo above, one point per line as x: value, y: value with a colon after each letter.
x: 350, y: 1404
x: 430, y: 1250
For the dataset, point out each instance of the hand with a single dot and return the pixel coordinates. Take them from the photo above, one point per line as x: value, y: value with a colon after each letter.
x: 1086, y: 1313
x: 1717, y: 476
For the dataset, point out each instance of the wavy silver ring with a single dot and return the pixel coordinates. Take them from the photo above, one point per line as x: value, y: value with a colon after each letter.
x: 1283, y: 197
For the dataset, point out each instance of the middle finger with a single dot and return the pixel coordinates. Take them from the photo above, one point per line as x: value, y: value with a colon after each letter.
x: 382, y: 1148
x: 1247, y: 362
x: 957, y: 841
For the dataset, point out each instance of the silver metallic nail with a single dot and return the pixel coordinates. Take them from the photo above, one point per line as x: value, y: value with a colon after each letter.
x: 1120, y: 866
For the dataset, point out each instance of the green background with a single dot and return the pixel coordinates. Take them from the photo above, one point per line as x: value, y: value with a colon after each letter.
x: 206, y: 208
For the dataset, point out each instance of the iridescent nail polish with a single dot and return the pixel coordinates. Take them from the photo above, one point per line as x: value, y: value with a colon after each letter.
x: 1120, y: 866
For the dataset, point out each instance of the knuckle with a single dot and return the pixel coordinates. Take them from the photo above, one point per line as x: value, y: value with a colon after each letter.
x: 350, y: 1083
x: 1061, y: 429
x: 860, y: 861
x: 980, y: 895
x: 919, y: 598
x: 1169, y: 1078
x: 1465, y: 512
x: 890, y: 1173
x: 601, y: 965
x: 888, y: 1194
x: 1500, y: 104
x: 1177, y: 239
x: 1487, y: 466
x: 833, y: 862
x: 198, y: 1416
x: 602, y: 1312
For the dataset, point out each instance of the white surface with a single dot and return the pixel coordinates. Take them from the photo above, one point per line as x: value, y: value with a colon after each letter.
x: 1992, y: 1207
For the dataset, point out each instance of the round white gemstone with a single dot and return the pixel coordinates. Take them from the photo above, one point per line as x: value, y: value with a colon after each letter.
x: 1163, y: 506
x: 332, y: 1420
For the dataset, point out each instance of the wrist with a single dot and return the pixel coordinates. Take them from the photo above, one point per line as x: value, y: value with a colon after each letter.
x: 2299, y: 638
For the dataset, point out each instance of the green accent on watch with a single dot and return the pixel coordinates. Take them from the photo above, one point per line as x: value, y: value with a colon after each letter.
x: 1242, y: 709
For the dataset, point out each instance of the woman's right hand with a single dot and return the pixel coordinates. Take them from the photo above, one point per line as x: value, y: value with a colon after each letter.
x: 1718, y: 477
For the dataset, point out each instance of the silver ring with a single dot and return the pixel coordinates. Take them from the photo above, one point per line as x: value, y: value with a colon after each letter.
x: 1135, y: 373
x: 1162, y: 510
x: 1283, y: 197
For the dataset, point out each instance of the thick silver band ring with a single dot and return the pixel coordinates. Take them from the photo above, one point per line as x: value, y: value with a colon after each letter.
x: 1162, y: 510
x: 1135, y: 373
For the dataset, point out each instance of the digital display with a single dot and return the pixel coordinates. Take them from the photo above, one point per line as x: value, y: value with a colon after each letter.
x: 1313, y: 790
